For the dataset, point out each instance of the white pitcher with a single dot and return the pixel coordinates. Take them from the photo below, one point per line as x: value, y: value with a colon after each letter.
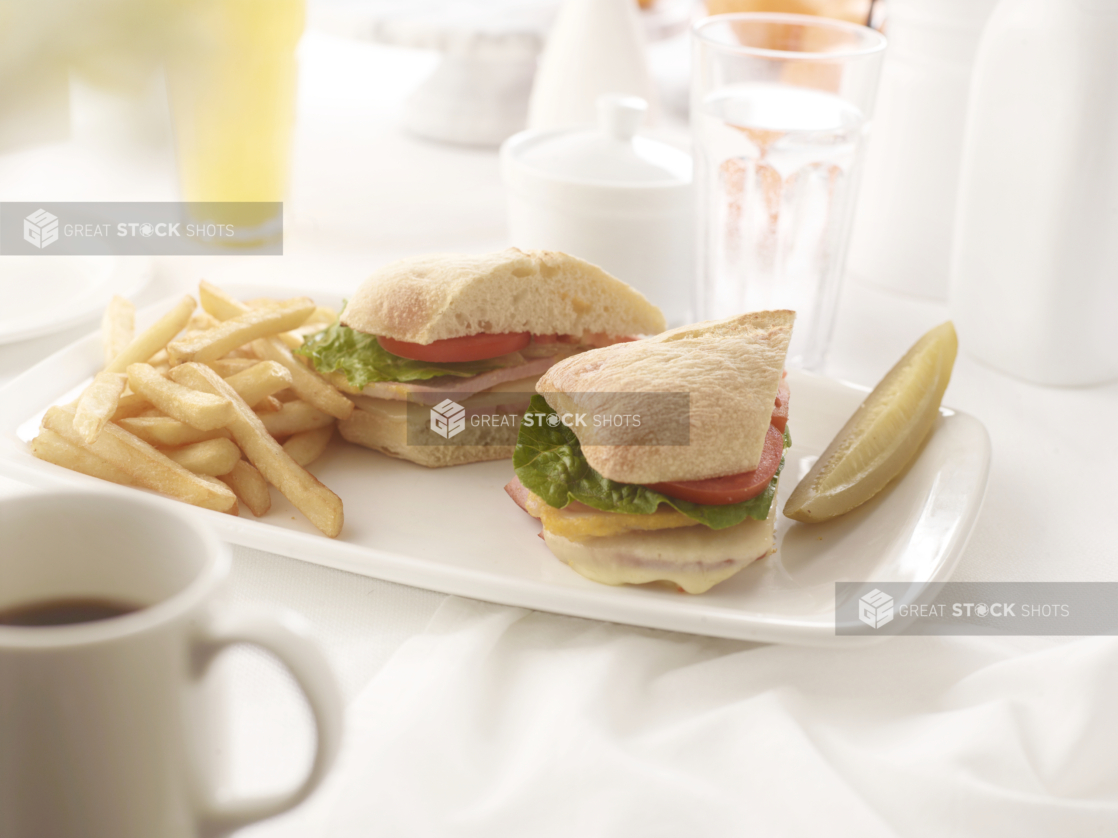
x: 1034, y: 288
x: 904, y: 221
x: 595, y: 47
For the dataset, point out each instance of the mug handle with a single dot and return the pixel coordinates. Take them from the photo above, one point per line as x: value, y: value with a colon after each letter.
x: 286, y: 636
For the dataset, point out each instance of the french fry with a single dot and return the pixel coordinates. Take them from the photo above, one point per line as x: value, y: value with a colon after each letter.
x: 311, y: 387
x: 260, y: 381
x: 323, y: 315
x: 244, y: 328
x: 297, y: 337
x: 338, y: 379
x: 143, y: 464
x: 202, y: 320
x: 218, y: 303
x: 228, y: 365
x: 163, y: 431
x: 98, y: 404
x: 249, y: 485
x: 155, y: 393
x: 160, y: 362
x: 235, y: 509
x: 117, y: 327
x: 52, y: 448
x: 223, y: 307
x: 130, y: 404
x: 214, y: 457
x: 150, y: 341
x: 294, y: 418
x: 199, y: 410
x: 306, y: 447
x: 309, y: 496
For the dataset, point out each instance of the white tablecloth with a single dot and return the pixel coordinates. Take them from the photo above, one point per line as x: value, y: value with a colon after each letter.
x: 474, y: 719
x: 501, y: 721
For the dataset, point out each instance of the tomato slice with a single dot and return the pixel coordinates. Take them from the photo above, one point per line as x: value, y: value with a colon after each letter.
x: 593, y: 339
x: 454, y: 350
x: 733, y: 488
x: 780, y: 414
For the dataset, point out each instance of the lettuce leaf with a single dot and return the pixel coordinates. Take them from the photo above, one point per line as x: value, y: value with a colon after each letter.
x: 549, y: 462
x: 364, y: 360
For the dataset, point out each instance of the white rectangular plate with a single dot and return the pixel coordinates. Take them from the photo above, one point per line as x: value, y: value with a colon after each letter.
x: 454, y: 530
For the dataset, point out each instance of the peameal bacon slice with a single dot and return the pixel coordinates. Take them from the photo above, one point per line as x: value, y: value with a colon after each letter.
x: 434, y: 390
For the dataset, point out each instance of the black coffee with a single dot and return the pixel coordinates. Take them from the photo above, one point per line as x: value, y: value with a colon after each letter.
x: 64, y: 612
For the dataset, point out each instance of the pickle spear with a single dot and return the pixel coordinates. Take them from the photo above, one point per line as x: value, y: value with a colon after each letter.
x: 882, y: 436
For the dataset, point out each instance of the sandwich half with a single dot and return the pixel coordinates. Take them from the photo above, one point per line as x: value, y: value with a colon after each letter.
x: 477, y: 331
x: 625, y: 503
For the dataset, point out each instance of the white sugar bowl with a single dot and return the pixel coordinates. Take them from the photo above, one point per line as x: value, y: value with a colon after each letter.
x: 610, y: 196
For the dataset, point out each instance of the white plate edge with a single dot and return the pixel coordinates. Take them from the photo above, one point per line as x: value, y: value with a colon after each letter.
x: 402, y: 569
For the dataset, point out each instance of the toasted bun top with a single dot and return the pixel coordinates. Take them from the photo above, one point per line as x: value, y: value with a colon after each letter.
x: 731, y: 370
x: 429, y: 298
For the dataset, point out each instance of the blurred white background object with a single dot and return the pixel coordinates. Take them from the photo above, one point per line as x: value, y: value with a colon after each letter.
x: 609, y: 196
x: 595, y: 47
x: 109, y: 45
x: 472, y: 99
x: 1034, y: 288
x: 903, y: 227
x: 478, y: 94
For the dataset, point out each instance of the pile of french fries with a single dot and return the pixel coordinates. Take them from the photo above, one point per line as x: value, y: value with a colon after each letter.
x: 196, y: 407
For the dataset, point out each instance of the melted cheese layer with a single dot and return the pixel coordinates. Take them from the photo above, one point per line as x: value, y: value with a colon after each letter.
x: 583, y: 522
x: 696, y: 558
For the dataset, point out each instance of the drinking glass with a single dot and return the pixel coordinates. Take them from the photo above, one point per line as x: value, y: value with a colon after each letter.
x: 780, y: 109
x: 232, y: 88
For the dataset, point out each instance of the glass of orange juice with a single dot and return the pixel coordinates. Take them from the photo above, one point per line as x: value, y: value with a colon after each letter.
x: 853, y: 11
x: 232, y: 92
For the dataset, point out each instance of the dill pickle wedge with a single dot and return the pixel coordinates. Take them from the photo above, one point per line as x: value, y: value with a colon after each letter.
x: 882, y: 436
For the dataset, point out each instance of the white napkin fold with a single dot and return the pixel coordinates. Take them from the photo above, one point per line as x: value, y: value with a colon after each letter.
x: 505, y: 722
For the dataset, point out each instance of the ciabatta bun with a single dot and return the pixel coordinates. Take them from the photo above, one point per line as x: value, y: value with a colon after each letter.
x: 382, y: 425
x: 429, y: 298
x: 731, y: 369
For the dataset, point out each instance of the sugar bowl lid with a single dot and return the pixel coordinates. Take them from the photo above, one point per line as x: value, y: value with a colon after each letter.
x: 610, y: 152
x: 609, y: 161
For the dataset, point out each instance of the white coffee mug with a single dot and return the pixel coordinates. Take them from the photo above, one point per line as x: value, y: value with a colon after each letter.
x: 103, y: 724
